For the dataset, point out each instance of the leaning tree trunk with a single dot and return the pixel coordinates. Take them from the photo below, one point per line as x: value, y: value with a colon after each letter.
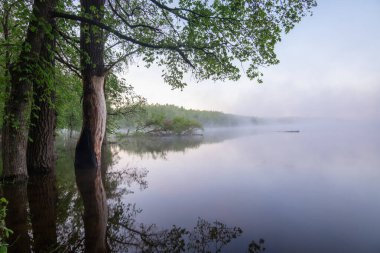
x: 88, y: 150
x: 23, y: 72
x: 43, y: 117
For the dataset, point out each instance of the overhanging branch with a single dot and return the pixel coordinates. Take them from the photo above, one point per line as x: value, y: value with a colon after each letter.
x: 175, y: 48
x: 120, y: 59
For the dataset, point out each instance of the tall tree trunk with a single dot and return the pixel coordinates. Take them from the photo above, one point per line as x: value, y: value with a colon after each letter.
x: 88, y: 150
x: 43, y: 117
x: 23, y: 74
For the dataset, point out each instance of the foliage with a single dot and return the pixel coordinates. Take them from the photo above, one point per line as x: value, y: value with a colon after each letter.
x: 159, y: 125
x: 68, y: 102
x: 4, y: 231
x: 14, y: 16
x: 121, y: 101
x: 205, y: 118
x: 209, y: 39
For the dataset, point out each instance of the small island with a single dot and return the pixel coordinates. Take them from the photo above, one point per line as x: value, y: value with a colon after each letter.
x: 162, y: 126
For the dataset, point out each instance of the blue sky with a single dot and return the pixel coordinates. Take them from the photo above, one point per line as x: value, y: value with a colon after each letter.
x: 329, y: 67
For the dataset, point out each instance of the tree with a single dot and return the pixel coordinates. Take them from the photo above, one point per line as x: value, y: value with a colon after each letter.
x: 43, y: 115
x: 209, y: 39
x: 88, y: 149
x: 12, y: 33
x: 23, y: 73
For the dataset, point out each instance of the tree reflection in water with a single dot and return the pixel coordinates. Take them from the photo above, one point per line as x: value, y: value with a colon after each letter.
x: 158, y: 147
x: 42, y: 196
x: 97, y: 218
x: 17, y: 217
x: 91, y: 188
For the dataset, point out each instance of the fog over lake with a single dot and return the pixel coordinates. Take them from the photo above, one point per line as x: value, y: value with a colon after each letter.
x: 312, y: 191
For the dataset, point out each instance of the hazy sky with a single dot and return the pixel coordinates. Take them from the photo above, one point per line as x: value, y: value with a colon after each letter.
x: 329, y: 67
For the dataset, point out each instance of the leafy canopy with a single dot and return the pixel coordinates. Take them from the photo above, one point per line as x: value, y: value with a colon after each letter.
x: 209, y: 39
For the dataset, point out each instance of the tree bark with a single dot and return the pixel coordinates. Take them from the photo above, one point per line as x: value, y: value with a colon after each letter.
x: 43, y: 117
x: 88, y: 149
x: 15, y: 128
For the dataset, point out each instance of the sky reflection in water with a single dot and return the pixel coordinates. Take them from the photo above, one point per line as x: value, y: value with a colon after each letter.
x: 313, y: 191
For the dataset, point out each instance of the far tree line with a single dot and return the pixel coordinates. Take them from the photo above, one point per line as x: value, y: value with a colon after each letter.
x: 58, y: 54
x: 136, y: 116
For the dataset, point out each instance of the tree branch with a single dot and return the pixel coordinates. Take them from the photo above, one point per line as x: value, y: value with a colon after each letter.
x: 175, y: 48
x: 126, y: 22
x: 72, y: 42
x: 171, y: 10
x: 71, y: 67
x: 120, y: 59
x: 176, y: 11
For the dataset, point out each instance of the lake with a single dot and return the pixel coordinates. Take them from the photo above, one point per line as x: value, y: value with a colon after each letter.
x: 316, y: 190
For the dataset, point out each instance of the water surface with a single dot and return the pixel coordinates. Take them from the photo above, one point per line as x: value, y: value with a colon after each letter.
x: 316, y: 190
x: 313, y: 191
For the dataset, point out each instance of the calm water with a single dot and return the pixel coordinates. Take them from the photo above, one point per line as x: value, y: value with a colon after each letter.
x: 313, y: 191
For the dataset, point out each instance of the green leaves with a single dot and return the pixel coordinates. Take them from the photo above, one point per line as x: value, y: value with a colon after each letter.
x: 209, y: 39
x: 4, y: 231
x: 69, y: 91
x: 121, y: 101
